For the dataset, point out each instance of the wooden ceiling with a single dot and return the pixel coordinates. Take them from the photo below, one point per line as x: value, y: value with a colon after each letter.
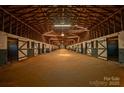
x: 43, y: 17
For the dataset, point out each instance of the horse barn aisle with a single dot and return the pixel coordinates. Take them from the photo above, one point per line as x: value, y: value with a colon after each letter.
x: 62, y: 45
x: 60, y: 68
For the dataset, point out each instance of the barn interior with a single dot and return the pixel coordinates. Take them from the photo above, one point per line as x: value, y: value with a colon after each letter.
x: 61, y: 45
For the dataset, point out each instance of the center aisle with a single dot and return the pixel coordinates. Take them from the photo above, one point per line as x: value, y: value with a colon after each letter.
x: 60, y: 68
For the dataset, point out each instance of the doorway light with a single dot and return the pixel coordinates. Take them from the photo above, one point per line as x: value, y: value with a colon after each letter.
x: 62, y: 34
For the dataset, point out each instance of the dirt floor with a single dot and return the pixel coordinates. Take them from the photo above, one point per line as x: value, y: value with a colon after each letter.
x: 62, y: 68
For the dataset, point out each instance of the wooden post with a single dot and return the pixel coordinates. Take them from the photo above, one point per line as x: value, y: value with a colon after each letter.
x: 10, y: 25
x: 97, y: 32
x: 100, y: 30
x: 20, y: 29
x: 90, y: 34
x: 114, y: 23
x: 108, y: 26
x: 2, y: 22
x: 28, y: 34
x: 122, y: 20
x: 16, y: 27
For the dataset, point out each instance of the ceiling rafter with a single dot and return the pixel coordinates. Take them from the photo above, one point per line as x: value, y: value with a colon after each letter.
x: 43, y: 17
x: 26, y: 12
x: 87, y: 16
x: 100, y: 13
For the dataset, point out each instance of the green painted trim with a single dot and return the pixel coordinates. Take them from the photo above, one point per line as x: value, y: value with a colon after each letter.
x: 94, y: 52
x: 3, y: 56
x: 30, y: 52
x: 121, y: 55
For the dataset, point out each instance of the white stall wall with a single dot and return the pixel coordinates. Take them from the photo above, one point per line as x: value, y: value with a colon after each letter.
x: 94, y: 43
x: 121, y: 40
x: 102, y: 48
x: 22, y: 46
x: 121, y: 47
x: 79, y: 47
x: 35, y: 48
x: 50, y: 47
x: 3, y: 40
x: 22, y: 52
x: 89, y: 48
x: 40, y: 45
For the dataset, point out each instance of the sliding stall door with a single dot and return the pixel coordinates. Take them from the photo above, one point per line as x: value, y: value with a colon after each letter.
x: 12, y: 50
x: 86, y: 48
x: 42, y: 48
x: 112, y: 48
x: 22, y: 49
x: 102, y: 48
x: 82, y: 48
x: 39, y: 52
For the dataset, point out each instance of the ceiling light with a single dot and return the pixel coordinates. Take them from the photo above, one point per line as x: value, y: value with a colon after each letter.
x: 76, y: 25
x: 62, y: 25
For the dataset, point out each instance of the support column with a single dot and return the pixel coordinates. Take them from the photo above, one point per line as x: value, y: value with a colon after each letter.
x: 114, y: 24
x: 10, y: 24
x: 2, y: 22
x: 122, y: 19
x: 3, y: 48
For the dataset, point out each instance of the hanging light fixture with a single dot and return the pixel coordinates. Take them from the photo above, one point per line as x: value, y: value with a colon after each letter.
x: 62, y: 34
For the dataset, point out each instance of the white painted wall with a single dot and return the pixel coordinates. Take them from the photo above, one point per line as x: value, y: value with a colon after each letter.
x: 89, y: 47
x: 3, y: 40
x: 100, y: 50
x: 121, y: 40
x: 35, y: 48
x: 121, y: 43
x: 20, y: 54
x: 3, y: 43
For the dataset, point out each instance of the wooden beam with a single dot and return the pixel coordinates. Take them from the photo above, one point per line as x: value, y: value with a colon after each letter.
x: 114, y: 23
x: 122, y: 19
x: 2, y: 21
x: 75, y: 6
x: 100, y: 13
x: 25, y: 13
x: 108, y: 17
x: 78, y: 11
x: 19, y: 20
x: 17, y: 8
